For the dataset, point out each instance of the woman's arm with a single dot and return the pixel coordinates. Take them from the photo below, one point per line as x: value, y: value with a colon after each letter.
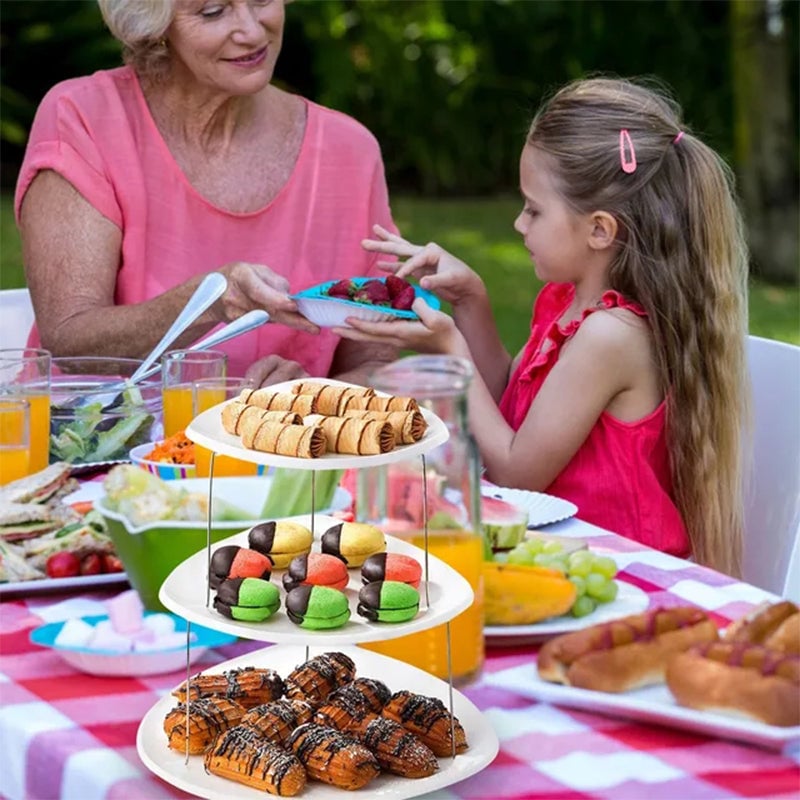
x: 72, y: 256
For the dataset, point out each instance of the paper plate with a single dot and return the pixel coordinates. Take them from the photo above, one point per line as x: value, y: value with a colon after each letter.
x: 329, y: 312
x: 543, y: 509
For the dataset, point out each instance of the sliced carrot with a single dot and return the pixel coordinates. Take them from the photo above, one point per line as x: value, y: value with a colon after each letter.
x: 175, y: 449
x: 82, y: 506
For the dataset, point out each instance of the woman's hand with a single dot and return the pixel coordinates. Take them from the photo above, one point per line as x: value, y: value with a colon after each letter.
x: 438, y: 271
x: 274, y: 369
x: 256, y: 286
x: 434, y: 333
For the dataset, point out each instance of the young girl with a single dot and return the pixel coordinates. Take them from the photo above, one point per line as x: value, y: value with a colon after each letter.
x: 629, y: 397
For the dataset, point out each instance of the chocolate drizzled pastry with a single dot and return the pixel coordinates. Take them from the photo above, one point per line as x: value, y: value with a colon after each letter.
x: 428, y: 718
x: 332, y: 757
x: 240, y: 754
x: 208, y: 717
x: 319, y: 676
x: 276, y: 720
x: 248, y: 686
x: 398, y: 750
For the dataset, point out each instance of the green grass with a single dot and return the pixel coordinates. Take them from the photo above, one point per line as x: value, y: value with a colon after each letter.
x: 480, y: 232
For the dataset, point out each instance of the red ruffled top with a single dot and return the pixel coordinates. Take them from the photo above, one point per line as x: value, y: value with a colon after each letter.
x: 619, y: 478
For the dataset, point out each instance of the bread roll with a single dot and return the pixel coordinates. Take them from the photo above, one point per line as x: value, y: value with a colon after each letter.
x: 775, y: 625
x: 360, y: 437
x: 624, y: 654
x: 738, y: 679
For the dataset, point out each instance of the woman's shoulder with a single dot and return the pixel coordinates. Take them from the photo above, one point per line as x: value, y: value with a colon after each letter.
x: 89, y: 91
x: 340, y: 129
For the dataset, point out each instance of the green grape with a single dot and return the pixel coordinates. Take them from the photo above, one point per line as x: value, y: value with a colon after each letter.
x: 533, y: 546
x: 552, y: 547
x: 580, y: 585
x: 579, y: 567
x: 607, y: 592
x: 595, y: 585
x: 582, y: 606
x: 605, y: 566
x: 519, y: 555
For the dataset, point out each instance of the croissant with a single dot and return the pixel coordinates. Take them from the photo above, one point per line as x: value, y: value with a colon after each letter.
x: 280, y: 401
x: 333, y: 757
x: 319, y: 676
x: 276, y: 720
x: 396, y: 749
x: 408, y: 426
x: 300, y: 441
x: 241, y: 755
x: 314, y: 387
x: 354, y: 436
x: 248, y: 686
x: 428, y: 718
x: 208, y: 717
x: 235, y: 413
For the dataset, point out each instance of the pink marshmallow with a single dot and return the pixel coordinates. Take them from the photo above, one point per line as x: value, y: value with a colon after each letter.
x: 126, y: 611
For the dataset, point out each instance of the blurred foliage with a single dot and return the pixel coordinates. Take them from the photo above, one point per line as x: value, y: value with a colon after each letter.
x: 447, y: 86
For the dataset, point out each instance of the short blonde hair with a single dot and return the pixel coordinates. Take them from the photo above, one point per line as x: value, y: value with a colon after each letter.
x: 140, y: 25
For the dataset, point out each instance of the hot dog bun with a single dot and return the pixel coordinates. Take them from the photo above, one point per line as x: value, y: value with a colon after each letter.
x: 624, y: 654
x: 739, y: 679
x: 774, y: 625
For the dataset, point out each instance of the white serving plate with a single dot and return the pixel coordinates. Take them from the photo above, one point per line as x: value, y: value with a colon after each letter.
x: 77, y: 584
x: 630, y: 600
x: 653, y: 705
x: 207, y: 431
x: 185, y: 593
x: 171, y: 766
x: 543, y: 509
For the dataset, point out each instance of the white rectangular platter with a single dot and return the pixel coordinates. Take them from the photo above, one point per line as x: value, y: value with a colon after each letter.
x: 654, y: 705
x: 151, y: 741
x: 207, y: 431
x: 184, y: 592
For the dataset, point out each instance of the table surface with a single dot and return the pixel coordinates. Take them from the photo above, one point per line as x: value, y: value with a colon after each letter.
x: 65, y: 734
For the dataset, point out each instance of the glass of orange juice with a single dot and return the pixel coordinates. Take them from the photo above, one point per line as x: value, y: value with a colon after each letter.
x: 15, y: 442
x: 25, y: 374
x: 208, y: 392
x: 179, y: 370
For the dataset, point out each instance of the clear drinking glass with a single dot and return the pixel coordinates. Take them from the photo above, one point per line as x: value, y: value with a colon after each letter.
x: 208, y: 392
x: 15, y: 441
x: 25, y: 374
x: 397, y: 497
x: 179, y: 370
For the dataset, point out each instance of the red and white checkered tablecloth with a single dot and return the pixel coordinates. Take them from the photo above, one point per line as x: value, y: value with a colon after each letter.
x: 65, y: 734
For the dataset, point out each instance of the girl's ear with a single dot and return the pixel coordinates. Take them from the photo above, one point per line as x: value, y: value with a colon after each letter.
x: 603, y: 231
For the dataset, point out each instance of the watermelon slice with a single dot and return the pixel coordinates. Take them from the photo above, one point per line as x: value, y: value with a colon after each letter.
x: 504, y: 524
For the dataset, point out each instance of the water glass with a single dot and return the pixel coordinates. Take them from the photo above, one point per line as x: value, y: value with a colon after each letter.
x: 15, y: 442
x: 25, y: 375
x: 208, y: 392
x: 179, y: 370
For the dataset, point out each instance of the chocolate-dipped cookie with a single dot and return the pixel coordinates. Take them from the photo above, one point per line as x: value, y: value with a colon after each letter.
x: 353, y: 542
x: 317, y: 607
x: 316, y: 569
x: 392, y: 567
x: 280, y: 540
x: 247, y: 599
x: 232, y: 561
x: 388, y: 601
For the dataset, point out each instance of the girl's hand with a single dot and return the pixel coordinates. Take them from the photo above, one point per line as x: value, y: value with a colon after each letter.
x: 438, y: 271
x: 274, y: 369
x: 256, y: 286
x: 435, y: 332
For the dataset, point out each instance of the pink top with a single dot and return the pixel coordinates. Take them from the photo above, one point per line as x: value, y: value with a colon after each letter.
x: 97, y: 132
x: 619, y: 478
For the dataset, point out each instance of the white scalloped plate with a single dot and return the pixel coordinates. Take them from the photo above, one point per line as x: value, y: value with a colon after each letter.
x: 185, y: 591
x: 206, y: 429
x: 543, y: 509
x: 171, y: 766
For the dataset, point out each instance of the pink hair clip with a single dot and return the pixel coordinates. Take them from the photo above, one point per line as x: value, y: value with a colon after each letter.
x: 678, y: 137
x: 627, y: 155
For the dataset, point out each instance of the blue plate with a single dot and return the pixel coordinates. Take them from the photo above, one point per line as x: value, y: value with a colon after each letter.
x: 327, y: 312
x: 145, y: 662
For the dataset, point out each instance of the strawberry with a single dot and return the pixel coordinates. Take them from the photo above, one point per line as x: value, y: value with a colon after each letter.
x: 92, y: 564
x: 395, y: 285
x: 343, y: 289
x: 63, y: 565
x: 404, y: 299
x: 111, y: 563
x: 374, y: 292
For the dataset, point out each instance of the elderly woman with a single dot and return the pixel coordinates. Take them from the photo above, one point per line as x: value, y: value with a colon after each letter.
x: 139, y: 180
